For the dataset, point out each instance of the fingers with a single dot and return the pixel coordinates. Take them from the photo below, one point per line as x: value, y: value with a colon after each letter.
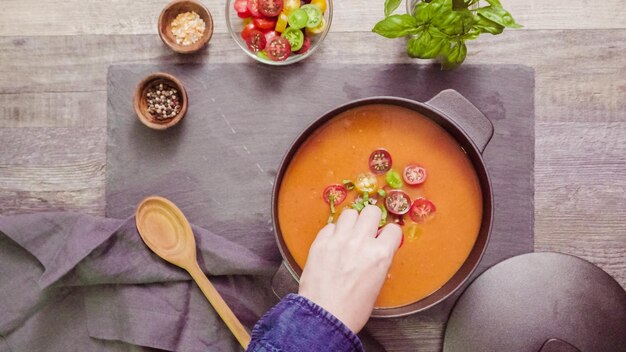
x: 368, y: 221
x: 390, y: 237
x: 326, y: 231
x: 346, y: 221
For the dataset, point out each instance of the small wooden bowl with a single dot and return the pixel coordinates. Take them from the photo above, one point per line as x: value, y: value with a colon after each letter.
x: 170, y: 12
x: 141, y: 105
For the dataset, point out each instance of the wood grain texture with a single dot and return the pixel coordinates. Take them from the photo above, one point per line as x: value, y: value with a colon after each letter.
x: 80, y: 17
x: 53, y: 68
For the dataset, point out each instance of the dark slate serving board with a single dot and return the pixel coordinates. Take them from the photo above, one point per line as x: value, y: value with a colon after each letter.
x: 218, y: 165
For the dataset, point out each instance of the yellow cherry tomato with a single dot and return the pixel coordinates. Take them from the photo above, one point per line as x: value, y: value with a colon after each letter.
x: 290, y: 5
x: 317, y: 30
x: 281, y: 22
x: 247, y: 21
x: 319, y: 3
x: 366, y: 183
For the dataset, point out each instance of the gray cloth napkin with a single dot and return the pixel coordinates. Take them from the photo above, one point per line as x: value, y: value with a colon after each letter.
x: 71, y: 282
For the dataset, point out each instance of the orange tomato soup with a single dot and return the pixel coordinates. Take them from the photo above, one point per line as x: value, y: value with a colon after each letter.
x: 432, y: 252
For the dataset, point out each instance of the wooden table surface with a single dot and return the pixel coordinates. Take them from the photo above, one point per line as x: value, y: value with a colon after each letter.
x: 53, y: 65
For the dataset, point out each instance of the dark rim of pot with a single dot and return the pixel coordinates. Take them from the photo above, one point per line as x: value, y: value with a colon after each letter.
x: 439, y: 117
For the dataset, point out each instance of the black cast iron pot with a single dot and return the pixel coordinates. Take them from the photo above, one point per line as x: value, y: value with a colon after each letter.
x: 471, y: 129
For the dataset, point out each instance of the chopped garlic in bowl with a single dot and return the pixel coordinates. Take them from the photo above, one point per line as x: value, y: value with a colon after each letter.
x: 188, y: 28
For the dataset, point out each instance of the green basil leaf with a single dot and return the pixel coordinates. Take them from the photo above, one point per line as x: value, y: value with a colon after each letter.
x: 455, y: 23
x: 486, y: 25
x: 391, y: 6
x: 454, y: 55
x: 396, y: 26
x: 426, y: 45
x: 494, y: 3
x: 498, y: 15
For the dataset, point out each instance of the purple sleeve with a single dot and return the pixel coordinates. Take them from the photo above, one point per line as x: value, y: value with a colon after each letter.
x: 299, y: 325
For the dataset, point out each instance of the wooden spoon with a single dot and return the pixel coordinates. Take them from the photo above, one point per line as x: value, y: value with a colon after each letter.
x: 166, y: 231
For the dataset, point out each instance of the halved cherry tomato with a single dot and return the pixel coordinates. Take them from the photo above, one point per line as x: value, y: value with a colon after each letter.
x: 380, y: 161
x: 413, y: 231
x: 366, y: 183
x: 270, y: 8
x: 320, y: 3
x: 422, y: 210
x: 295, y: 38
x: 269, y: 35
x: 305, y: 46
x: 291, y: 5
x: 245, y: 33
x: 317, y: 30
x: 253, y: 7
x: 315, y: 15
x: 298, y: 19
x: 264, y: 23
x: 256, y: 41
x: 397, y: 202
x: 241, y: 6
x: 281, y: 22
x: 338, y: 192
x: 278, y: 49
x: 414, y: 174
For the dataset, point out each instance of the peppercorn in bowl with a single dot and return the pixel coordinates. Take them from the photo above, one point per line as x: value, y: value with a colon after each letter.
x: 185, y: 26
x: 160, y: 101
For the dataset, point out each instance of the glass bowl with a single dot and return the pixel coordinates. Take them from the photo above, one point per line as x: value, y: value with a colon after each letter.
x: 235, y: 25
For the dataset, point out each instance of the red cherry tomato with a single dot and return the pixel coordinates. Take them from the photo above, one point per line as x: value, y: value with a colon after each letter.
x: 269, y: 35
x: 241, y: 6
x: 414, y: 174
x: 422, y: 210
x: 245, y: 33
x: 253, y: 7
x: 305, y: 46
x: 264, y: 23
x: 338, y: 192
x: 397, y: 202
x: 380, y: 161
x: 278, y: 49
x: 270, y: 8
x: 256, y: 41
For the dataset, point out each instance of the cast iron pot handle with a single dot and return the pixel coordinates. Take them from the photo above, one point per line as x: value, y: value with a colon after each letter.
x: 477, y: 126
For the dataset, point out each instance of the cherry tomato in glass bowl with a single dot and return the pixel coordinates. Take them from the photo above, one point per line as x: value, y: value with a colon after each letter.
x: 241, y: 6
x: 414, y: 174
x: 295, y: 38
x: 270, y: 35
x: 278, y: 49
x: 264, y: 23
x: 256, y: 40
x: 305, y: 46
x: 397, y: 202
x: 281, y: 22
x: 337, y: 192
x: 270, y: 8
x: 245, y: 33
x: 380, y: 161
x: 366, y: 183
x: 290, y: 5
x: 422, y: 210
x: 321, y: 4
x: 253, y: 8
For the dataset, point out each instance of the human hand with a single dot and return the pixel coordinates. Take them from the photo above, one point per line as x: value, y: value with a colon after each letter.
x: 348, y: 264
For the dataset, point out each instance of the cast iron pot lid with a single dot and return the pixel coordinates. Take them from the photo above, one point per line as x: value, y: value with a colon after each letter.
x: 544, y: 302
